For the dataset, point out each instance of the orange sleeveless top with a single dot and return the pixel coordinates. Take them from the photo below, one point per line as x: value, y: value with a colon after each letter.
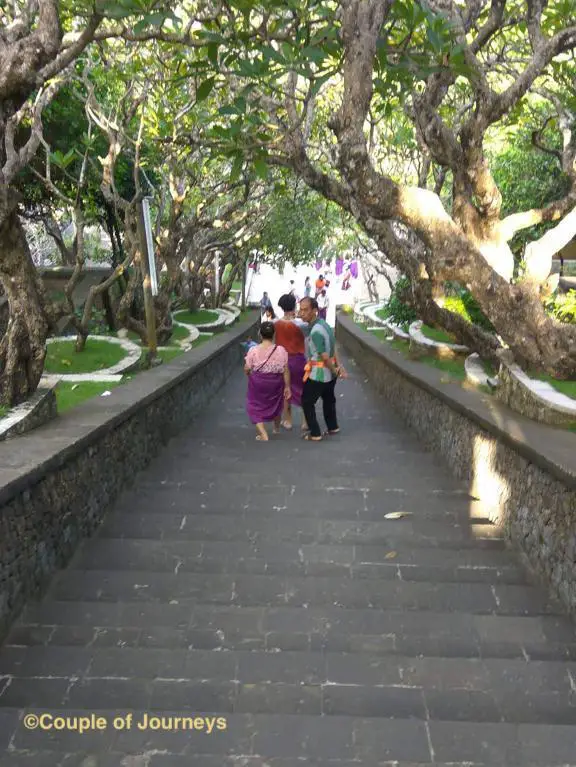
x: 289, y: 335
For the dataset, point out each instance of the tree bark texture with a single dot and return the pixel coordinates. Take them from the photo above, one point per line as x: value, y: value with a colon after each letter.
x: 23, y: 346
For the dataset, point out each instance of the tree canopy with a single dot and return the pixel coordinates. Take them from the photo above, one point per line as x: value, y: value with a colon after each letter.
x: 437, y: 136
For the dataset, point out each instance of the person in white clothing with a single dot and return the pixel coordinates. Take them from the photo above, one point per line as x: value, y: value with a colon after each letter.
x: 323, y: 304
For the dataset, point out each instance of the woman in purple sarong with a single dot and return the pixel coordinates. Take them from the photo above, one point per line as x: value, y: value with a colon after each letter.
x: 266, y: 366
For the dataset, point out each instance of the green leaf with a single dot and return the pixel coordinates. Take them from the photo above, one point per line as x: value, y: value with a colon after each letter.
x: 213, y: 53
x: 205, y: 89
x: 236, y: 168
x: 261, y: 168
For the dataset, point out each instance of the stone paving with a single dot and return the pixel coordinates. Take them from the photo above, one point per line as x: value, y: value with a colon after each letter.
x: 263, y: 583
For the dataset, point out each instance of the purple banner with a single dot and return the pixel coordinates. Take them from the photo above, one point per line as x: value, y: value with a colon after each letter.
x: 319, y: 265
x: 354, y: 269
x: 339, y: 266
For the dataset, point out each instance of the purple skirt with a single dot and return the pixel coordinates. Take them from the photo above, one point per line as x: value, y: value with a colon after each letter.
x: 265, y: 400
x: 296, y: 363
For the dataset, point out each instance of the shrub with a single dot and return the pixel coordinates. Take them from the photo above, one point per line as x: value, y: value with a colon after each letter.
x: 464, y: 304
x: 562, y: 306
x: 396, y: 309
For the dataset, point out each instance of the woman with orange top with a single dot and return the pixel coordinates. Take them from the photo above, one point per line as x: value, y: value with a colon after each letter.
x: 290, y: 335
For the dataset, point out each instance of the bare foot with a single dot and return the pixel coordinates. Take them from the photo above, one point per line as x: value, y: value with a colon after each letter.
x: 261, y: 438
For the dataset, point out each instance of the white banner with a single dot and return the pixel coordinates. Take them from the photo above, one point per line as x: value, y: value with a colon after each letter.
x: 150, y: 246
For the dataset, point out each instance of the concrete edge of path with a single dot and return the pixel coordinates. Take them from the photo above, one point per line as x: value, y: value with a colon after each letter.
x: 51, y: 445
x: 57, y: 482
x: 550, y: 448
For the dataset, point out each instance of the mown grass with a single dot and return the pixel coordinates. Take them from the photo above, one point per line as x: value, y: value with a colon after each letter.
x: 201, y: 317
x: 68, y: 394
x: 436, y: 334
x: 61, y: 356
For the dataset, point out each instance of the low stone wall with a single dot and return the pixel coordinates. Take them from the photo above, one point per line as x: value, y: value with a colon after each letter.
x: 57, y: 482
x: 524, y: 471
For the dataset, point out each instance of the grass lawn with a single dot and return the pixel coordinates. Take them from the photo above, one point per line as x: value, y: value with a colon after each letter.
x: 435, y: 334
x: 382, y: 313
x: 168, y: 354
x: 201, y: 317
x: 178, y: 333
x: 454, y: 367
x: 69, y: 394
x: 97, y: 355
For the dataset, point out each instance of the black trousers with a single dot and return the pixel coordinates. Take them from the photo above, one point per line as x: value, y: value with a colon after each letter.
x: 312, y: 391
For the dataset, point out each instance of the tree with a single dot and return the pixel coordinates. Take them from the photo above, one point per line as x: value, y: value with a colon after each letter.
x: 323, y: 78
x: 39, y: 43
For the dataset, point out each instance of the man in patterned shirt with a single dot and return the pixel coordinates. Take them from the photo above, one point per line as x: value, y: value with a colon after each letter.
x: 322, y: 371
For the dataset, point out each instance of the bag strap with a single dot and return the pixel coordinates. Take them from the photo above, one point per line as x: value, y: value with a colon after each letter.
x: 266, y: 360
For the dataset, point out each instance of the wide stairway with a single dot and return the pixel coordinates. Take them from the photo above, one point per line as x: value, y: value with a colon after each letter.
x: 265, y: 583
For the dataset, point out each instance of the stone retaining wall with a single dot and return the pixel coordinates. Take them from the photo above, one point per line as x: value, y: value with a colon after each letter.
x: 524, y: 471
x: 57, y: 482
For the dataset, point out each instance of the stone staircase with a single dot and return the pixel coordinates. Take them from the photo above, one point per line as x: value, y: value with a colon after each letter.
x: 264, y: 583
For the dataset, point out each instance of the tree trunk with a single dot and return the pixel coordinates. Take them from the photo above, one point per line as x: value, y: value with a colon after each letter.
x: 23, y: 347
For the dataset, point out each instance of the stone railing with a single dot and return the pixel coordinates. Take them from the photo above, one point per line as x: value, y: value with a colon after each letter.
x: 524, y: 472
x: 57, y: 481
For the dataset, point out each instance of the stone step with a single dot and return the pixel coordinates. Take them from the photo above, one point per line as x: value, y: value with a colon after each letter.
x: 292, y: 501
x: 273, y: 740
x: 353, y: 561
x: 521, y: 638
x: 256, y: 622
x: 279, y: 528
x: 488, y: 675
x: 191, y: 589
x: 379, y: 702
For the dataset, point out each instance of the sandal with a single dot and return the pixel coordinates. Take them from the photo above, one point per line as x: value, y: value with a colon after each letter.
x: 309, y: 438
x: 260, y: 438
x: 331, y: 433
x: 286, y: 425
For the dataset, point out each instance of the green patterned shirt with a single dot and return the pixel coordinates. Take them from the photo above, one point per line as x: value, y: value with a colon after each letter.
x: 320, y: 340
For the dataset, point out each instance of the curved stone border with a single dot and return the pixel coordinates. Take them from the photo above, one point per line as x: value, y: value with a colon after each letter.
x: 476, y: 374
x: 533, y: 398
x: 397, y: 331
x: 193, y: 332
x: 130, y: 361
x: 219, y: 323
x: 230, y: 317
x: 236, y: 311
x: 40, y: 408
x: 439, y: 348
x: 369, y: 312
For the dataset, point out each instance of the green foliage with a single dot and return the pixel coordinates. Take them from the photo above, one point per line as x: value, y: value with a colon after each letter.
x: 397, y: 310
x: 527, y: 178
x: 464, y: 304
x: 297, y: 227
x: 562, y: 306
x: 97, y: 324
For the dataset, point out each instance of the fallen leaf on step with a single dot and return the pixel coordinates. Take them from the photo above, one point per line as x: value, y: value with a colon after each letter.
x: 390, y: 555
x: 397, y: 514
